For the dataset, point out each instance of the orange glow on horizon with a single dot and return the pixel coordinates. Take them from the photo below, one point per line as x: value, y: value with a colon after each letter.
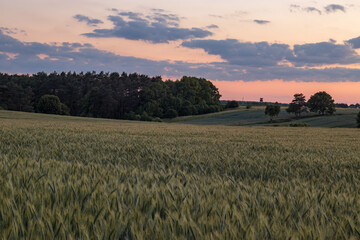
x: 283, y: 91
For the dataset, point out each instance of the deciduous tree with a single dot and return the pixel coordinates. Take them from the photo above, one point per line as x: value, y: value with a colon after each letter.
x: 272, y: 111
x: 322, y: 103
x: 298, y: 105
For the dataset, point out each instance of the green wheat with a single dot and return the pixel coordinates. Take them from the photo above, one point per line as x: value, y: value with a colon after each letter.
x: 75, y: 178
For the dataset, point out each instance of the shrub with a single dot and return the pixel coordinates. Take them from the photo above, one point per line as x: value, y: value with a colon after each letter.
x: 145, y: 117
x: 213, y: 108
x: 232, y: 104
x: 299, y: 125
x: 157, y: 119
x: 49, y: 104
x: 248, y: 106
x: 64, y: 109
x: 132, y: 116
x: 171, y: 113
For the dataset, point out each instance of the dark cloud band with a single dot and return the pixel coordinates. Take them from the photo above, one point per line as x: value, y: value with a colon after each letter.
x: 245, y: 61
x: 262, y: 54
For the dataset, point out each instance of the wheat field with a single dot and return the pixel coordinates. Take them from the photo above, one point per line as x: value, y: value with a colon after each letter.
x: 77, y: 178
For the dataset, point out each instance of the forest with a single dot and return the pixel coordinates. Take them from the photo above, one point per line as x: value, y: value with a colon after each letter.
x: 108, y: 95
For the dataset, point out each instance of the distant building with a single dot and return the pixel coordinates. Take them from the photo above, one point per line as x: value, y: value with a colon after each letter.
x: 261, y: 100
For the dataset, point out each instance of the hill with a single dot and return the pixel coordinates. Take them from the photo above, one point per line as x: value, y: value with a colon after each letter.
x: 344, y: 118
x: 84, y: 178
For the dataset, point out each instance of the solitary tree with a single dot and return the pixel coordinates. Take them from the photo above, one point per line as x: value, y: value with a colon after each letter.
x: 298, y: 105
x: 272, y: 111
x: 322, y: 103
x: 358, y: 120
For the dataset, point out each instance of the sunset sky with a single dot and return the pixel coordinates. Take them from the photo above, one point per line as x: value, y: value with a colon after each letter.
x: 249, y: 49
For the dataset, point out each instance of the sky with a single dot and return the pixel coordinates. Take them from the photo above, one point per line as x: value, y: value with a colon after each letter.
x: 248, y: 49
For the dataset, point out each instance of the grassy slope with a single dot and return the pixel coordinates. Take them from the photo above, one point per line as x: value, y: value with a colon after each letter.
x: 67, y: 177
x: 255, y: 116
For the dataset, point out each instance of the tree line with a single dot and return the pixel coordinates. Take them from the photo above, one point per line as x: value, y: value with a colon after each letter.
x: 321, y: 103
x: 108, y: 95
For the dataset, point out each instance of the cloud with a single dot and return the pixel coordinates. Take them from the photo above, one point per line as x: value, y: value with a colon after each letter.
x: 312, y: 9
x: 334, y: 8
x: 243, y: 53
x: 263, y: 54
x: 354, y: 42
x: 156, y: 28
x: 331, y: 8
x: 165, y: 19
x: 296, y: 8
x: 8, y: 30
x: 132, y: 16
x: 12, y: 30
x: 32, y: 57
x: 212, y: 26
x: 323, y: 53
x: 261, y: 22
x: 158, y: 10
x: 89, y: 21
x: 303, y: 74
x: 28, y: 50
